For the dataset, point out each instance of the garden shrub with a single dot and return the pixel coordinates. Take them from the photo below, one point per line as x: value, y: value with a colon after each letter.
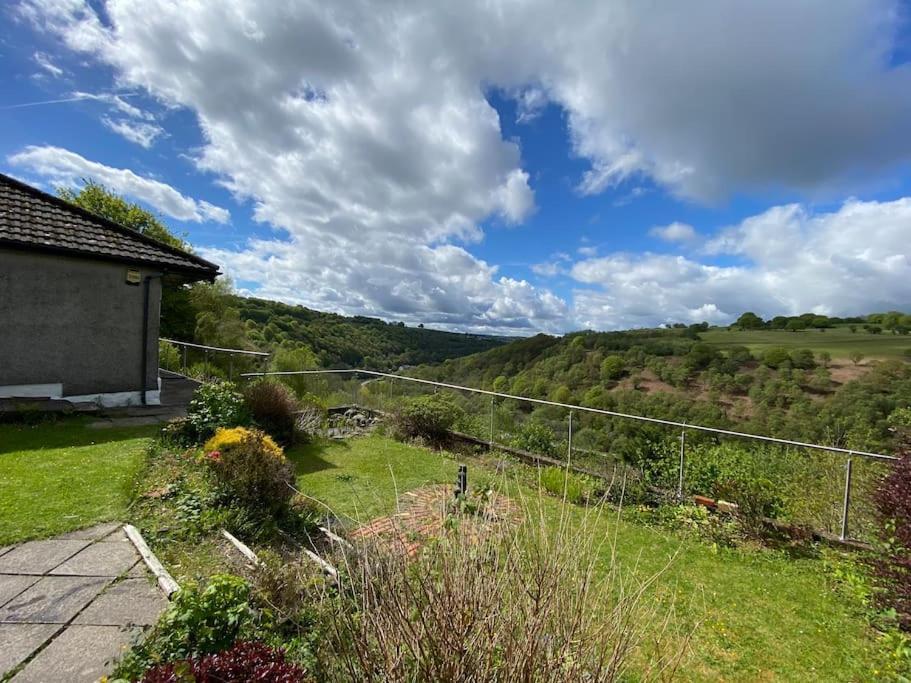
x: 245, y: 661
x: 197, y: 622
x: 252, y: 468
x: 273, y: 407
x: 429, y: 417
x: 535, y: 437
x: 892, y: 500
x: 578, y: 487
x: 168, y: 356
x: 215, y: 404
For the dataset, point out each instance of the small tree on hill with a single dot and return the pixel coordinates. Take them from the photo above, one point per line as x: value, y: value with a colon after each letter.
x: 856, y: 357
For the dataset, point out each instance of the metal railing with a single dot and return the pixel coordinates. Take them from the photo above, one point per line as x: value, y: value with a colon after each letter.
x: 683, y: 426
x: 206, y: 350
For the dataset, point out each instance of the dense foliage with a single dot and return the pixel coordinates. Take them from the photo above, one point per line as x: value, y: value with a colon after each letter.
x: 244, y: 662
x: 428, y: 417
x: 274, y: 408
x: 668, y: 373
x: 252, y: 468
x: 892, y: 566
x: 214, y: 405
x: 358, y: 341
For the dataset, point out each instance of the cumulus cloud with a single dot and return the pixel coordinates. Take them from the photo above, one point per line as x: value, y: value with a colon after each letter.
x: 362, y: 132
x: 63, y: 166
x: 138, y: 132
x: 850, y: 261
x: 675, y: 232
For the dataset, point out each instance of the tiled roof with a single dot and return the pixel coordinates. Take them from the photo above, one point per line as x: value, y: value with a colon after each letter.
x: 32, y: 219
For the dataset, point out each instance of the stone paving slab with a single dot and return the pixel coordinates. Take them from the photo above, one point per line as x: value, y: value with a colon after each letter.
x: 65, y: 658
x: 139, y: 569
x: 99, y: 559
x: 92, y: 533
x: 13, y: 584
x: 5, y: 549
x: 127, y: 603
x: 53, y: 600
x: 38, y: 557
x: 21, y: 640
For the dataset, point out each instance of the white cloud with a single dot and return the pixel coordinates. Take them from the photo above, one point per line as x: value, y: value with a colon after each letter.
x: 530, y: 102
x: 44, y: 61
x: 141, y: 133
x: 675, y: 232
x: 362, y: 133
x: 587, y: 251
x: 63, y: 166
x: 117, y: 102
x: 846, y: 262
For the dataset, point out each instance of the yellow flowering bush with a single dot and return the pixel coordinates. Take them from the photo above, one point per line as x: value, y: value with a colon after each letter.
x: 251, y: 467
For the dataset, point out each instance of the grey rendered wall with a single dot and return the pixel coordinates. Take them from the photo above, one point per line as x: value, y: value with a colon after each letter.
x: 74, y: 321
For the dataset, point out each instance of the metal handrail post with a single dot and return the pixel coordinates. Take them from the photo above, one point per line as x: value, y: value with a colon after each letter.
x: 846, y: 503
x: 682, y: 463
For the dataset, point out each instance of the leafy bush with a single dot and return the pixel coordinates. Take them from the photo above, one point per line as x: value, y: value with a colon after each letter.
x: 429, y: 417
x: 776, y: 357
x: 245, y: 661
x: 273, y: 407
x: 892, y: 500
x: 214, y: 405
x: 205, y: 372
x: 535, y: 437
x: 197, y: 622
x: 252, y: 468
x: 555, y: 480
x: 168, y: 356
x: 803, y: 359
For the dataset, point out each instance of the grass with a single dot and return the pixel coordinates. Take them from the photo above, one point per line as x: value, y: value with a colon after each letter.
x: 761, y: 614
x: 359, y: 477
x: 838, y: 341
x: 56, y: 477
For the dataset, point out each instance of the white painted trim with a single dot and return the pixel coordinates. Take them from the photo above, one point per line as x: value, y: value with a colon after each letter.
x: 111, y: 399
x: 118, y: 399
x: 31, y: 391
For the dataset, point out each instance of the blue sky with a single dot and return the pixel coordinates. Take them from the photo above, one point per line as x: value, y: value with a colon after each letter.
x: 515, y: 168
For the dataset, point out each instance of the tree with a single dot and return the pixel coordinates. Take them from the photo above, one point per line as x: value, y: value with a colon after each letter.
x: 825, y: 358
x: 796, y: 324
x: 750, y: 321
x: 803, y: 359
x: 612, y: 368
x: 856, y: 357
x: 101, y: 201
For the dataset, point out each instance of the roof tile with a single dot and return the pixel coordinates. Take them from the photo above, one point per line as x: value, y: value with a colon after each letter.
x: 31, y: 218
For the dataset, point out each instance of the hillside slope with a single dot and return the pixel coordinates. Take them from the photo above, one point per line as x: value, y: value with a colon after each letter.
x: 340, y: 341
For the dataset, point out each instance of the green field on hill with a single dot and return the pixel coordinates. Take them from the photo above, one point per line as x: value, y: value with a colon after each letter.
x: 838, y: 341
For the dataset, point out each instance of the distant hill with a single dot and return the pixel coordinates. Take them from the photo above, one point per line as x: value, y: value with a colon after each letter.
x: 825, y: 386
x: 358, y: 341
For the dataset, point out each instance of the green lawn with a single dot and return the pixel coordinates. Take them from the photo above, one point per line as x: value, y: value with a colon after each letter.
x: 838, y: 341
x: 56, y: 477
x: 762, y: 615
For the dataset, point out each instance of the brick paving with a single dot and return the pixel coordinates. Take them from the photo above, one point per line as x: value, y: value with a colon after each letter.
x: 422, y: 515
x: 71, y: 605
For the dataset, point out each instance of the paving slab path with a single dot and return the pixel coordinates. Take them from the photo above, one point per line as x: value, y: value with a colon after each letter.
x: 71, y: 605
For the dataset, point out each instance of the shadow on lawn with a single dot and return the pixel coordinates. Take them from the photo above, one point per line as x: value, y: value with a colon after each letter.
x: 65, y: 432
x: 307, y: 458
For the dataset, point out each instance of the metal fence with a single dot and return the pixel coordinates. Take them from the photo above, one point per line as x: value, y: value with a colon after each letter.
x: 849, y: 455
x: 212, y: 357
